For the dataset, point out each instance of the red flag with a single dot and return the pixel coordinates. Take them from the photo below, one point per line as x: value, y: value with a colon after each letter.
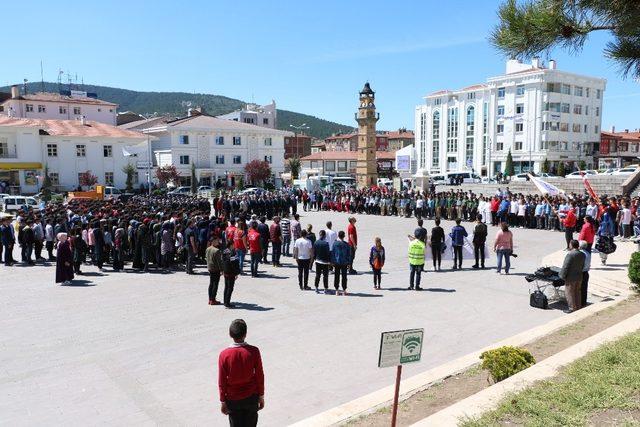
x: 587, y: 185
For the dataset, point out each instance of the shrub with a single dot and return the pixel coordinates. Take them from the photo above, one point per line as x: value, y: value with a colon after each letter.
x: 634, y: 271
x: 505, y: 361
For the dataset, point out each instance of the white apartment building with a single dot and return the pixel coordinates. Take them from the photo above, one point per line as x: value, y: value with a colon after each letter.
x: 536, y: 112
x: 218, y: 148
x: 254, y: 114
x: 54, y: 106
x: 67, y: 148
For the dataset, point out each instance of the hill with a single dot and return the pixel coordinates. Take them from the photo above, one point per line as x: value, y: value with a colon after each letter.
x: 178, y: 102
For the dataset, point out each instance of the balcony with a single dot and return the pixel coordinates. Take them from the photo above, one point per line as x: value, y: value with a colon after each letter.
x: 8, y: 152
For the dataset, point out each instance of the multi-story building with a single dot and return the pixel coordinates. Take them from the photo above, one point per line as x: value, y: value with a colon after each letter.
x: 400, y: 139
x: 218, y: 148
x: 535, y: 112
x: 297, y: 145
x: 66, y: 148
x: 70, y: 105
x: 343, y: 163
x: 349, y: 142
x: 618, y: 149
x: 254, y: 114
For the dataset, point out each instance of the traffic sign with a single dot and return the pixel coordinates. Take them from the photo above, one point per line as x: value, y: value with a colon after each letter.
x: 400, y: 347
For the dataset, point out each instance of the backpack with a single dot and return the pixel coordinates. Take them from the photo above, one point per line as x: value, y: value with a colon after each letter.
x: 230, y: 263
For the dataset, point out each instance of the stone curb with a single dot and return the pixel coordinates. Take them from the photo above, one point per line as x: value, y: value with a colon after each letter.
x: 489, y: 398
x: 410, y: 386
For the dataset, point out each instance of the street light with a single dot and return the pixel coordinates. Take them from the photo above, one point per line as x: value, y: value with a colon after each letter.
x: 295, y: 136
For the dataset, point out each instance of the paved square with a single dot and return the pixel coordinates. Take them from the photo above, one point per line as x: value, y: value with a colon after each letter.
x: 141, y: 349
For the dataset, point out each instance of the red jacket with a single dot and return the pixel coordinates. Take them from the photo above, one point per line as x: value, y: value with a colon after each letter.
x: 570, y: 220
x: 240, y: 373
x: 587, y: 233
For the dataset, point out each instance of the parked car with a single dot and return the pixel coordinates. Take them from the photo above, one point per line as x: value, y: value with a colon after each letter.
x: 578, y: 174
x: 250, y: 191
x: 467, y: 177
x: 626, y: 170
x: 180, y: 191
x: 610, y: 171
x: 549, y: 175
x: 520, y: 177
x: 15, y: 203
x: 205, y: 190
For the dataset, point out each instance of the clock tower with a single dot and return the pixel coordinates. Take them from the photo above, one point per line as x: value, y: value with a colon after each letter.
x: 367, y: 166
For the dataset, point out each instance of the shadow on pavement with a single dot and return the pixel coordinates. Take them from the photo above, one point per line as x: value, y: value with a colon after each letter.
x: 80, y: 283
x: 269, y: 276
x: 250, y: 307
x: 363, y: 295
x: 439, y: 290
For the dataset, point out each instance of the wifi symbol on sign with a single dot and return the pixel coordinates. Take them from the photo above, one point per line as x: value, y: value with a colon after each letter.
x: 411, y: 344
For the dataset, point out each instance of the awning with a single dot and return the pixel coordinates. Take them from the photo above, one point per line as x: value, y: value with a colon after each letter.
x: 20, y: 165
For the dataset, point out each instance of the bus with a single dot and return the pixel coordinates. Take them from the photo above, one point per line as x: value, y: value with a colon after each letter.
x: 345, y: 182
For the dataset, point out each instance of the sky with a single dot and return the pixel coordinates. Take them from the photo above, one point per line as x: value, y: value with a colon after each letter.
x: 311, y: 57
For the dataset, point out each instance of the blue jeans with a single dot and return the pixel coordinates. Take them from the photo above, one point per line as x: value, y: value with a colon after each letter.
x: 286, y: 242
x: 241, y: 254
x: 416, y: 272
x: 506, y: 253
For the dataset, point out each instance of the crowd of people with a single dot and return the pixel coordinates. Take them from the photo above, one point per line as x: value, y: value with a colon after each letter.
x: 169, y: 233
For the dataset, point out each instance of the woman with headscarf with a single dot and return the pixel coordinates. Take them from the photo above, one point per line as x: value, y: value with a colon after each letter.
x: 166, y: 245
x: 118, y: 245
x: 606, y: 231
x: 64, y: 260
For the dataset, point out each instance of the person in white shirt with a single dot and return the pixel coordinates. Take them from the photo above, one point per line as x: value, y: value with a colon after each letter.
x: 625, y: 221
x: 331, y: 235
x: 303, y: 254
x: 592, y: 209
x: 513, y: 212
x: 50, y: 239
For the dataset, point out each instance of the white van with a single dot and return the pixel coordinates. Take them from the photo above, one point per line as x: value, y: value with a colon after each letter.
x: 467, y: 177
x: 15, y: 203
x: 112, y: 193
x: 439, y: 179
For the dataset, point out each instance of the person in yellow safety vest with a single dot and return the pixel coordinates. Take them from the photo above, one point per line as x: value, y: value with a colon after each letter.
x: 416, y: 261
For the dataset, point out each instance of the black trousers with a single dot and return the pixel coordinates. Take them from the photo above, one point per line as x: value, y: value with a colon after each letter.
x: 191, y: 260
x: 568, y: 235
x: 50, y: 250
x: 303, y: 272
x: 457, y: 256
x: 243, y: 413
x: 37, y: 246
x: 436, y: 254
x: 265, y: 249
x: 340, y: 271
x: 214, y: 281
x: 377, y: 276
x: 229, y: 282
x: 276, y: 252
x: 584, y: 289
x: 478, y: 251
x: 322, y: 270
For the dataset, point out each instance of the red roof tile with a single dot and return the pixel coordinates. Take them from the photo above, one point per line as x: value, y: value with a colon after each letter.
x: 72, y: 128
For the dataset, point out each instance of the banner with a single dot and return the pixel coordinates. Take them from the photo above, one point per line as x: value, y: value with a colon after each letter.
x: 590, y: 189
x: 545, y: 187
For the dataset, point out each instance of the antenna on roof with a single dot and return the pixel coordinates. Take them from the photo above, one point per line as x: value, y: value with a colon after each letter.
x: 60, y: 74
x: 41, y: 77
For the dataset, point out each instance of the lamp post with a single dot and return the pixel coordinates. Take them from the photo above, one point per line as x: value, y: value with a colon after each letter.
x: 295, y: 136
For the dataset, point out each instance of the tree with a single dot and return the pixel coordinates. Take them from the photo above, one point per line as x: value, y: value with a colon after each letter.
x: 545, y: 166
x: 508, y: 167
x: 561, y: 171
x: 130, y: 171
x: 582, y: 165
x: 528, y: 28
x: 194, y: 181
x: 87, y: 179
x: 167, y: 174
x: 45, y: 189
x: 294, y: 167
x: 257, y: 171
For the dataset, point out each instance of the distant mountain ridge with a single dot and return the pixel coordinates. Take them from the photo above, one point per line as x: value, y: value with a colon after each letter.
x: 177, y: 103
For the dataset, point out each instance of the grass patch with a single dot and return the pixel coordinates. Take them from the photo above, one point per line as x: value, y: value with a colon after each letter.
x: 605, y: 379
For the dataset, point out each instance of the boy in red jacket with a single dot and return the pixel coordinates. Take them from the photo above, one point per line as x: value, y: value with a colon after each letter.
x: 241, y: 378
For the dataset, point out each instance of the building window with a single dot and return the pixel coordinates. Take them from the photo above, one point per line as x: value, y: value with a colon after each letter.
x: 52, y: 150
x: 564, y: 127
x: 598, y: 93
x: 500, y: 93
x: 552, y: 106
x: 519, y: 127
x: 470, y: 120
x: 219, y: 140
x: 596, y: 129
x: 452, y: 163
x: 267, y: 142
x: 353, y: 164
x: 77, y: 111
x: 54, y: 178
x: 342, y: 166
x: 586, y: 110
x: 437, y: 101
x: 237, y: 140
x: 42, y: 109
x: 471, y: 95
x: 520, y: 90
x: 577, y: 90
x: 237, y: 160
x: 108, y: 178
x: 29, y: 108
x: 452, y: 130
x: 565, y: 108
x: 577, y: 109
x: 500, y: 129
x: 471, y: 117
x: 183, y: 139
x: 4, y: 148
x: 265, y: 121
x: 586, y: 92
x: 184, y: 159
x: 220, y: 159
x: 435, y: 133
x: 268, y: 159
x: 81, y: 150
x: 485, y: 129
x: 565, y: 89
x: 518, y: 146
x: 500, y: 110
x: 597, y: 111
x: 499, y: 146
x: 107, y: 151
x: 62, y: 110
x: 330, y: 166
x: 519, y: 108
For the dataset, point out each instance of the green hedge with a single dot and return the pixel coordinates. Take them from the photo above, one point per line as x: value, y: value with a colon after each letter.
x: 634, y: 271
x: 505, y: 361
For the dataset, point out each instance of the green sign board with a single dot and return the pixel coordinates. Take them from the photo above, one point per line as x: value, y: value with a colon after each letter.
x: 400, y: 347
